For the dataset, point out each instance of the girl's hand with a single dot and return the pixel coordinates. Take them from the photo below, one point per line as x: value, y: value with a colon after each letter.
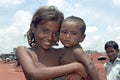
x: 73, y: 76
x: 82, y: 71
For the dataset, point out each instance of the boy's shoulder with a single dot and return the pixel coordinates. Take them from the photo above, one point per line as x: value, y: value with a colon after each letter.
x: 119, y: 55
x: 118, y: 58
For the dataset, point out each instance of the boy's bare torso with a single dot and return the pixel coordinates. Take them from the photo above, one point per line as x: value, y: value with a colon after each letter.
x: 68, y: 56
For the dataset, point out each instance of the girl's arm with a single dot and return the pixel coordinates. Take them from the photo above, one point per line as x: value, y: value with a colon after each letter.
x: 88, y: 64
x: 42, y: 72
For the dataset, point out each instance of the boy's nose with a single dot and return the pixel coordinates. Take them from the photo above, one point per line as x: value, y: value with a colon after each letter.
x: 110, y: 54
x: 68, y: 35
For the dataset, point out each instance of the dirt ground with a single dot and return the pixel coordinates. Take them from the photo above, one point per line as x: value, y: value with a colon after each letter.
x: 9, y: 71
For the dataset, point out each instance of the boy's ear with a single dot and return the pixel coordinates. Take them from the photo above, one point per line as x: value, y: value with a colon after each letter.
x: 82, y: 38
x: 118, y: 50
x: 32, y: 28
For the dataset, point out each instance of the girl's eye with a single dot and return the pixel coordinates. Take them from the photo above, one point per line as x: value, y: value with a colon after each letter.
x: 56, y: 33
x: 44, y: 30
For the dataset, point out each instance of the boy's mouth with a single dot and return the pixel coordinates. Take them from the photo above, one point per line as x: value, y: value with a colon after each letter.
x: 67, y: 41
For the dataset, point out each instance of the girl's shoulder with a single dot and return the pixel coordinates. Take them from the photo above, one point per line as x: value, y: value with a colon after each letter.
x: 28, y: 52
x: 22, y: 48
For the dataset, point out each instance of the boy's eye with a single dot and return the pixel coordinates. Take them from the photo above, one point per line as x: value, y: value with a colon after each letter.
x: 74, y: 33
x: 64, y: 32
x: 110, y: 52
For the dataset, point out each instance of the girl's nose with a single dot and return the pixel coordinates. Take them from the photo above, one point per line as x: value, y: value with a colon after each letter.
x: 50, y: 36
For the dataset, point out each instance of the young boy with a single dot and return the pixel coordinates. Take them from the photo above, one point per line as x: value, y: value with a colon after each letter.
x: 71, y: 34
x: 112, y: 67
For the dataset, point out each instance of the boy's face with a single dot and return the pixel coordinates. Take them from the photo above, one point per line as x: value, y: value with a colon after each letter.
x: 46, y: 34
x: 70, y: 34
x: 112, y: 53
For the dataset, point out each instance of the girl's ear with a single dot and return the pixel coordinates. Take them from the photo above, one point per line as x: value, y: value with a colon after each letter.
x: 82, y: 38
x: 32, y: 28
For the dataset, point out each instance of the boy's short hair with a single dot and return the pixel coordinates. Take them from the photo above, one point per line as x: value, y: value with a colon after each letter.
x: 112, y: 44
x: 78, y: 19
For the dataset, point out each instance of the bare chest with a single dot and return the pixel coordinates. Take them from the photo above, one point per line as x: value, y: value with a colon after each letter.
x: 68, y: 57
x: 45, y: 59
x: 49, y: 60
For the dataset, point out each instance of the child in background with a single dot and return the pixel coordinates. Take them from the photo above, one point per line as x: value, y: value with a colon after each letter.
x: 71, y: 34
x: 112, y: 66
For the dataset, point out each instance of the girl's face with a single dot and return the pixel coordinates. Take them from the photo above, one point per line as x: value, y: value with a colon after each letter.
x: 112, y: 53
x: 47, y: 34
x: 70, y: 34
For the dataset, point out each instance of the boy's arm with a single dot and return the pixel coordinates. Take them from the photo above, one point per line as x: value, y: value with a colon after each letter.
x: 42, y: 72
x: 88, y: 64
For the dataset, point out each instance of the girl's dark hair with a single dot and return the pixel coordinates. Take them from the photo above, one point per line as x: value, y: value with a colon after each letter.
x: 41, y: 16
x: 112, y: 44
x: 79, y: 20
